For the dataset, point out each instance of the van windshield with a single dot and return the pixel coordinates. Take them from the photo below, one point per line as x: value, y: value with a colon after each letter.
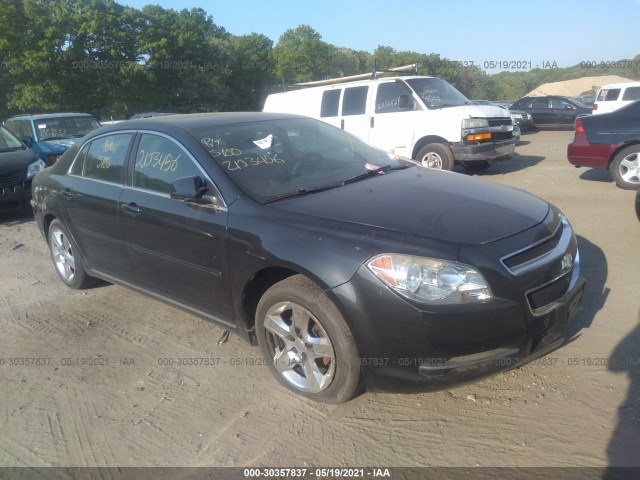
x: 436, y: 93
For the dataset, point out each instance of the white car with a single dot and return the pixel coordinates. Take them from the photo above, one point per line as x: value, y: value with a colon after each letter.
x: 615, y: 95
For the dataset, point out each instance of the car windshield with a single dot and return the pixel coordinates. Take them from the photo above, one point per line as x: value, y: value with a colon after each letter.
x: 275, y: 159
x: 64, y: 127
x: 436, y: 93
x: 8, y: 142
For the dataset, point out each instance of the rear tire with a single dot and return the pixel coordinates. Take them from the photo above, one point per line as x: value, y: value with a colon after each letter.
x: 307, y: 342
x: 435, y: 155
x: 66, y: 258
x: 625, y: 168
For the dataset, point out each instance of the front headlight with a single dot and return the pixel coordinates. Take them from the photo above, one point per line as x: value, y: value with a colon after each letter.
x: 468, y: 123
x: 516, y: 116
x: 430, y: 280
x: 34, y: 168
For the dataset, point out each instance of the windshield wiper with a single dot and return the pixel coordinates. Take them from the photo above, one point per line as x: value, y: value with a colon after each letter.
x: 302, y: 191
x: 372, y: 173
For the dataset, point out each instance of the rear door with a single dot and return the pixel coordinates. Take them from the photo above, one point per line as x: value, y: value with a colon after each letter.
x: 177, y: 249
x: 541, y: 111
x: 89, y: 201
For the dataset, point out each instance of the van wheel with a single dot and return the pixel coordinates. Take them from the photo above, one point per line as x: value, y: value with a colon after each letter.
x: 306, y: 341
x: 435, y: 155
x: 625, y: 168
x: 476, y: 166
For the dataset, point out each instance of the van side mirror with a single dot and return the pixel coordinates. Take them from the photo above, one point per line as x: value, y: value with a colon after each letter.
x: 27, y: 140
x: 404, y: 103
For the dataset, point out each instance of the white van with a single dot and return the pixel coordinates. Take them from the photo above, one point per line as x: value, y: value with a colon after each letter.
x: 423, y: 118
x: 612, y: 97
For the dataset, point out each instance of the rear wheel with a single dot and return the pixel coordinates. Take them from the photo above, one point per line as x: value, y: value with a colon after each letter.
x: 435, y: 155
x: 307, y: 342
x: 625, y: 168
x: 476, y: 166
x: 64, y: 253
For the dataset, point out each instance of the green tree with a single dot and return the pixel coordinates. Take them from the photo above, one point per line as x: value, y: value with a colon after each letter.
x: 301, y: 56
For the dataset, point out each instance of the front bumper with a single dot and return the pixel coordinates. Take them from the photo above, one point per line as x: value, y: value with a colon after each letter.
x: 405, y: 346
x: 16, y: 196
x: 483, y: 151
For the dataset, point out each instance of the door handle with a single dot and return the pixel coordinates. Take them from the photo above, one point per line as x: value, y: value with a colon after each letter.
x: 131, y: 208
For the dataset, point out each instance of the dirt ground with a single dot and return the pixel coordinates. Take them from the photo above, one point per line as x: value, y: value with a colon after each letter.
x: 86, y: 377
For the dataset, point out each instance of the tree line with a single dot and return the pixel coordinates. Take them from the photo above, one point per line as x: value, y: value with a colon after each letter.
x: 101, y: 57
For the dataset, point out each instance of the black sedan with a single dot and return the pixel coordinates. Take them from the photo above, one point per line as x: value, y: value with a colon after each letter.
x: 612, y: 141
x: 346, y: 265
x: 551, y: 111
x: 18, y: 166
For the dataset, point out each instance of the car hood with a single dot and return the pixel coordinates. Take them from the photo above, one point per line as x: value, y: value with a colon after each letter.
x: 439, y: 205
x: 12, y: 161
x: 60, y: 145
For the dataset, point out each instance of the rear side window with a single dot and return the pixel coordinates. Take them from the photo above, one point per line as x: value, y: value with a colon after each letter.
x: 540, y: 103
x: 631, y: 94
x: 330, y: 100
x: 354, y: 101
x: 106, y: 157
x: 608, y: 95
x: 160, y: 162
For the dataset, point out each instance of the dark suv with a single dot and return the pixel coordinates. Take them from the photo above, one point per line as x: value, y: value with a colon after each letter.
x: 51, y: 134
x: 552, y: 111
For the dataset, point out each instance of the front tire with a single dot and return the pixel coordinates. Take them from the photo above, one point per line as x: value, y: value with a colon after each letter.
x: 625, y: 168
x: 66, y: 258
x: 307, y: 342
x: 435, y: 155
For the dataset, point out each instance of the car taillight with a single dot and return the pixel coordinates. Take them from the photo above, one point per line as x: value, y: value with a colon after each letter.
x: 579, y: 126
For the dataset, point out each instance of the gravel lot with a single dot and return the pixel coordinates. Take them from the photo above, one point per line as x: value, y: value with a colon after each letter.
x: 128, y: 406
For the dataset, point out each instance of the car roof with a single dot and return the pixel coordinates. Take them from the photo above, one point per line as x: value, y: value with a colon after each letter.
x: 195, y: 120
x: 621, y: 85
x: 40, y: 116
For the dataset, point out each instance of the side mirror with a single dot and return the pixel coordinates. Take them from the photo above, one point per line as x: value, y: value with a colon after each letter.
x: 27, y: 140
x: 189, y: 189
x: 404, y: 103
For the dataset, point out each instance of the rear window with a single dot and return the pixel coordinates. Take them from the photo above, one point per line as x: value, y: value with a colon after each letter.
x: 631, y: 94
x: 608, y: 95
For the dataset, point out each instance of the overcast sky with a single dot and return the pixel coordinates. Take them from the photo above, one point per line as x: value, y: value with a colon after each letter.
x: 534, y: 33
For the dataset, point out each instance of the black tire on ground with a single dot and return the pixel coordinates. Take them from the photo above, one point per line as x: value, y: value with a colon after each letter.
x: 306, y: 341
x: 476, y: 166
x: 625, y: 168
x: 66, y: 258
x: 435, y: 155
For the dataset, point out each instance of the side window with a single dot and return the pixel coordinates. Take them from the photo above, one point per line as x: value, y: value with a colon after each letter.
x: 20, y: 128
x: 631, y: 94
x: 608, y: 95
x: 540, y: 103
x: 330, y: 100
x: 78, y: 164
x: 160, y: 162
x: 354, y: 101
x: 387, y: 97
x: 106, y: 157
